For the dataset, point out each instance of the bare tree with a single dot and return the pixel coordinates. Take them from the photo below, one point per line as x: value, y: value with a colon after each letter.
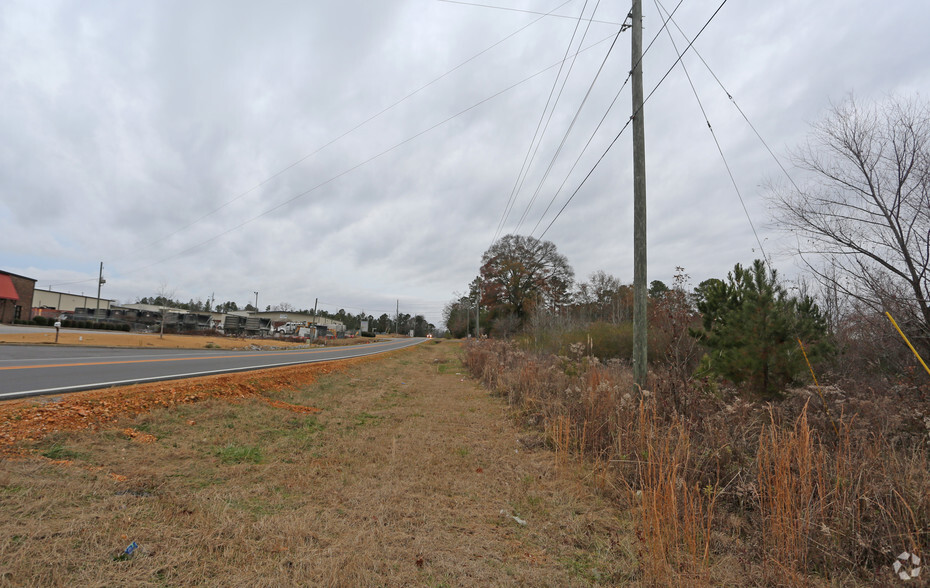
x: 863, y: 218
x: 165, y: 296
x: 604, y: 298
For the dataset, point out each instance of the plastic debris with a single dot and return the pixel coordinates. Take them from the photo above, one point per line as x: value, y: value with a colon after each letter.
x: 900, y: 566
x: 518, y: 520
x: 128, y: 553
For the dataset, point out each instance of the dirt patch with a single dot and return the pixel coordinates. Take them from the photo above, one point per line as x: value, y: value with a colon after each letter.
x: 37, y: 417
x: 409, y: 474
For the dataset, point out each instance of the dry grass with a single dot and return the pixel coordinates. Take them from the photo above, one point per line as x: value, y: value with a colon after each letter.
x: 400, y: 479
x: 727, y: 491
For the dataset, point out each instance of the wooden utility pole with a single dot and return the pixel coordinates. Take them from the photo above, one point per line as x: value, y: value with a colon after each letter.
x: 100, y: 282
x: 478, y: 312
x: 639, y: 203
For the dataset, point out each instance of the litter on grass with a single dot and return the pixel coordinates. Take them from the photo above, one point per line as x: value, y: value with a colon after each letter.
x: 519, y: 521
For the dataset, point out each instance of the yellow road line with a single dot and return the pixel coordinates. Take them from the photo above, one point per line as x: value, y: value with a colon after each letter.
x: 277, y: 354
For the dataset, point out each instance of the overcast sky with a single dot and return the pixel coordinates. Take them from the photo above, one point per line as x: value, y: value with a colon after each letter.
x: 306, y: 149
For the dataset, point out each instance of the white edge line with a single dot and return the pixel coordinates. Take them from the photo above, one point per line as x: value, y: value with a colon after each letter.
x: 183, y: 376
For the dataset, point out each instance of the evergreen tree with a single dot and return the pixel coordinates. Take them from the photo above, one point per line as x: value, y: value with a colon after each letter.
x: 752, y: 327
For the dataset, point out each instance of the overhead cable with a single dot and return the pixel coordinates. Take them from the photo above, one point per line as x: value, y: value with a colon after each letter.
x: 601, y: 122
x: 353, y: 129
x: 528, y: 158
x: 716, y: 141
x: 570, y: 126
x: 601, y: 158
x: 358, y: 165
x: 509, y: 9
x: 737, y: 106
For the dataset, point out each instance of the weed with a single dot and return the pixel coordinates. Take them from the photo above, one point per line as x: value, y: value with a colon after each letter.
x: 59, y: 451
x: 239, y: 454
x: 829, y: 492
x: 364, y: 419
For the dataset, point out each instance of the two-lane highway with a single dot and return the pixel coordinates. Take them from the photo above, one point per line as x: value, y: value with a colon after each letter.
x: 27, y: 370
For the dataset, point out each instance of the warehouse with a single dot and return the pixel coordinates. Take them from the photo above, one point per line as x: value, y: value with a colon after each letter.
x: 50, y: 300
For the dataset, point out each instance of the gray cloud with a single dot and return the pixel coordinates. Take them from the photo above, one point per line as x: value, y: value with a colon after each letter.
x: 125, y: 122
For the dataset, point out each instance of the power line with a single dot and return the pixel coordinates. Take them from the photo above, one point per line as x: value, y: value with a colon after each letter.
x: 528, y: 159
x: 353, y: 129
x: 733, y: 100
x: 568, y: 131
x: 601, y: 158
x: 509, y: 9
x: 600, y: 123
x: 570, y: 126
x: 70, y: 283
x: 358, y: 165
x: 716, y: 141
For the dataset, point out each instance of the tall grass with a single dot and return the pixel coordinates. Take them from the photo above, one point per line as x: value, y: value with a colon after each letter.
x: 728, y: 490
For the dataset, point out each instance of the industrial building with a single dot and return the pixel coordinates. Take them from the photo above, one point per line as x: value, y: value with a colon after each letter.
x: 47, y: 302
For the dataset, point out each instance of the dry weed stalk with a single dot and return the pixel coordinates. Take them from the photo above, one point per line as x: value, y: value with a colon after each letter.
x: 790, y: 473
x: 675, y: 517
x: 560, y: 436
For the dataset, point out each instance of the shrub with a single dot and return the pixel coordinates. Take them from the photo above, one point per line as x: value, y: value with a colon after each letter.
x: 752, y: 328
x: 367, y: 334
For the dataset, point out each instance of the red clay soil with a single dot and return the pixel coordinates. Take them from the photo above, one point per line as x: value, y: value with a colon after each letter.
x: 34, y: 418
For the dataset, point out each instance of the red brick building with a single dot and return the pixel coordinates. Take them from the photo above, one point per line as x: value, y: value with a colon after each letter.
x: 15, y: 297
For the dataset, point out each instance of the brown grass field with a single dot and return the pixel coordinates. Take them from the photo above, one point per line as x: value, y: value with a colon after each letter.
x: 399, y: 470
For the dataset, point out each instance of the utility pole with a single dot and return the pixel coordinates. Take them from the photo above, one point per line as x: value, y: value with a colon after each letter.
x: 315, y: 329
x: 397, y: 319
x: 256, y: 302
x: 640, y: 328
x: 478, y: 312
x: 100, y: 282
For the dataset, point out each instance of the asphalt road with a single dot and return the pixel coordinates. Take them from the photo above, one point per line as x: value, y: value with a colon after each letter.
x: 27, y: 370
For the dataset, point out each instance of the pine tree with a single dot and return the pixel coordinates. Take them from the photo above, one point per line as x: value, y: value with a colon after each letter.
x: 752, y: 327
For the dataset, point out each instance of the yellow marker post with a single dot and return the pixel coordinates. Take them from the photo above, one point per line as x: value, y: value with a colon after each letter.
x: 823, y: 401
x: 917, y: 355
